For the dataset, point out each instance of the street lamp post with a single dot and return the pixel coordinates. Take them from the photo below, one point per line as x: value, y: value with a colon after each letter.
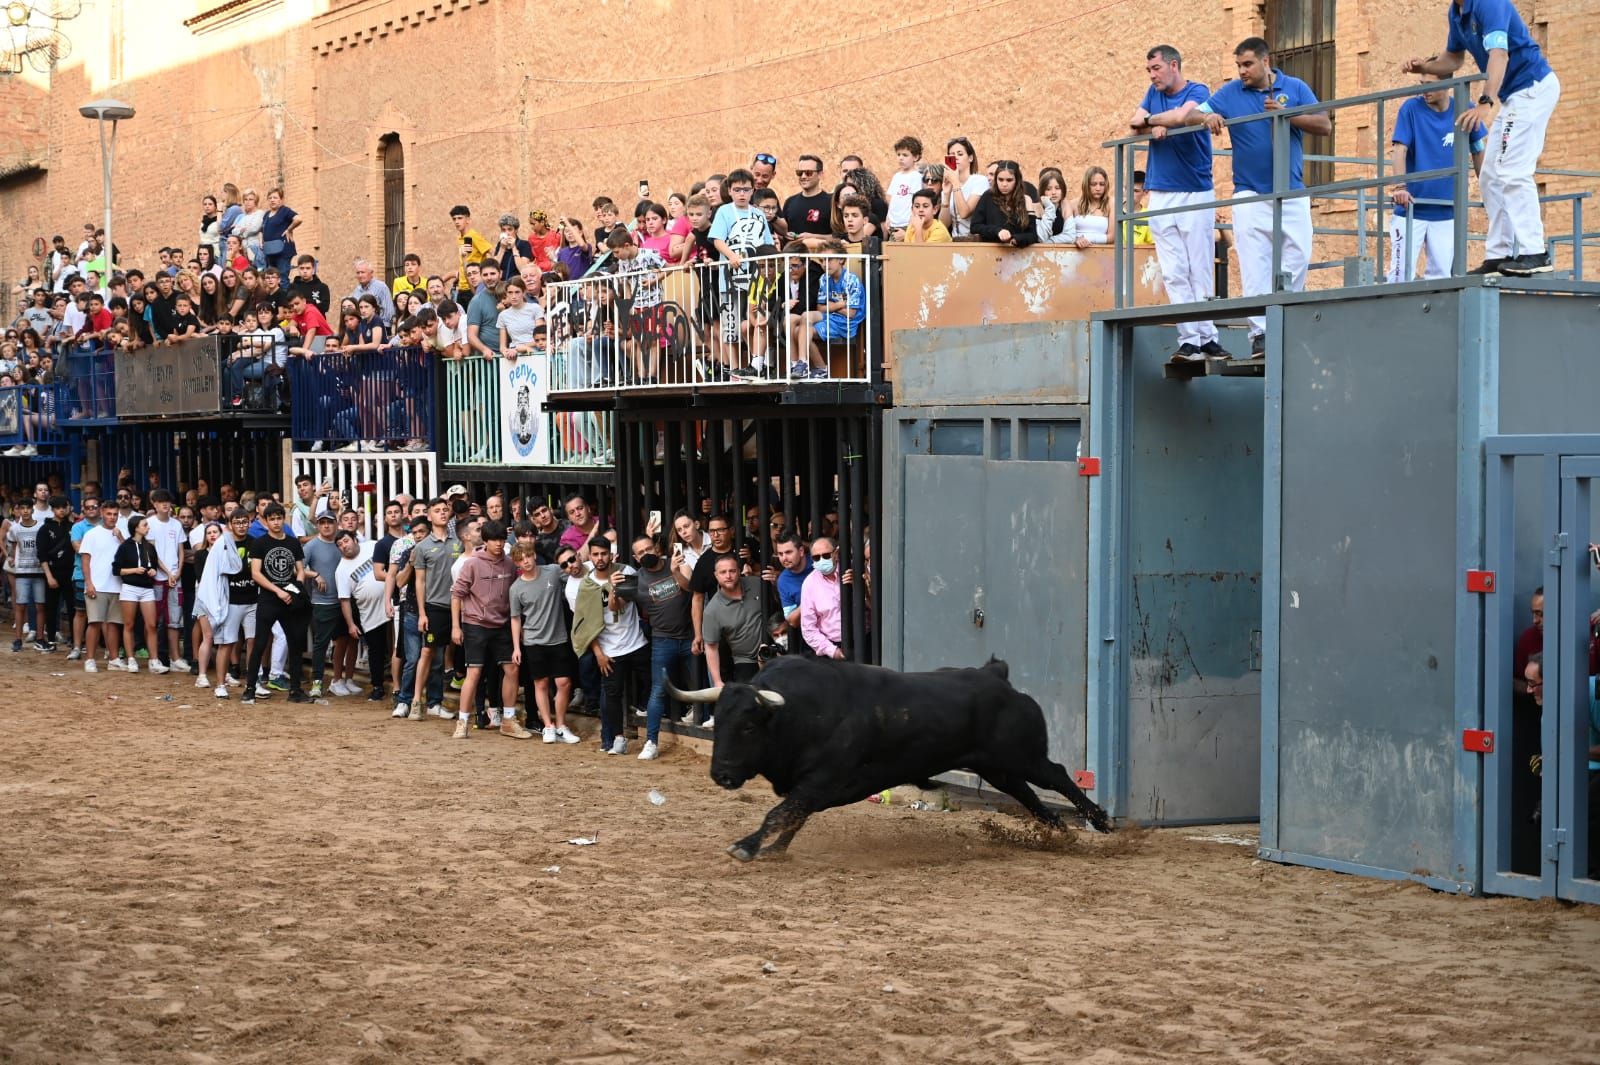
x: 114, y: 111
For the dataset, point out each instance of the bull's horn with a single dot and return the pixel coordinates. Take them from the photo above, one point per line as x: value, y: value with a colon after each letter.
x: 702, y: 695
x: 769, y: 697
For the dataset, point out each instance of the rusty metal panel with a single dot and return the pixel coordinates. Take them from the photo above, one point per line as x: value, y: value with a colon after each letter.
x: 1028, y: 362
x: 932, y: 285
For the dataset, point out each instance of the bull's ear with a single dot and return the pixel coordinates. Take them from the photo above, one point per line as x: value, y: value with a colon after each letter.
x: 769, y: 697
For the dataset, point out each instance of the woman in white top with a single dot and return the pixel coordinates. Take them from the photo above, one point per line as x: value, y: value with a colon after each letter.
x: 688, y: 541
x: 247, y: 227
x: 1055, y: 225
x: 1091, y: 215
x: 962, y: 187
x: 210, y: 226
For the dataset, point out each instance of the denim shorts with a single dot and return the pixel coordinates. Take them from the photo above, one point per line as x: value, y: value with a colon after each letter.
x: 30, y: 588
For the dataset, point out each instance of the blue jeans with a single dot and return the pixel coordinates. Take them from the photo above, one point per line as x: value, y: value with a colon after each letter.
x: 410, y: 649
x: 242, y: 370
x: 665, y: 653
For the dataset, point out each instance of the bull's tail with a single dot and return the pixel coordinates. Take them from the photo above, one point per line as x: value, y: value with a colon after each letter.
x: 998, y: 667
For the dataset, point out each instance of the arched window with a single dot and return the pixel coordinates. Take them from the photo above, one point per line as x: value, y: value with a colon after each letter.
x: 394, y: 206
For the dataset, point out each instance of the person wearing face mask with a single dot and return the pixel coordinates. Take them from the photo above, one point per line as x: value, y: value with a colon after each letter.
x: 662, y: 593
x: 821, y: 619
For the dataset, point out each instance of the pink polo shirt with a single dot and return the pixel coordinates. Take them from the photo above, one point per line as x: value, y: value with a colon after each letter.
x: 819, y: 613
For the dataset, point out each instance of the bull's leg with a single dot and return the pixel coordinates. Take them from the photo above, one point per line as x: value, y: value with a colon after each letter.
x: 784, y: 820
x: 1047, y: 774
x: 1016, y: 786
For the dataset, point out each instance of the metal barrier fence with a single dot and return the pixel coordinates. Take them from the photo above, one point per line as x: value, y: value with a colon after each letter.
x: 93, y: 375
x: 475, y: 420
x: 366, y: 401
x: 1359, y: 188
x: 777, y: 318
x: 368, y: 482
x: 30, y: 417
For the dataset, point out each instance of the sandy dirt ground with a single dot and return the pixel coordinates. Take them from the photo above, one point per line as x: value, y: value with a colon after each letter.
x: 293, y: 884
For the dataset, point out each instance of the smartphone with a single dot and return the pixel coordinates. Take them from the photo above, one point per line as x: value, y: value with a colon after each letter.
x: 655, y: 519
x: 644, y: 190
x: 949, y: 162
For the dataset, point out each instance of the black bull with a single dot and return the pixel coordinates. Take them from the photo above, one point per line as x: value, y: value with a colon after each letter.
x: 826, y: 733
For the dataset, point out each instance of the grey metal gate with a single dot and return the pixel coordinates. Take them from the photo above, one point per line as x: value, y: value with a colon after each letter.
x: 994, y: 557
x: 1567, y: 466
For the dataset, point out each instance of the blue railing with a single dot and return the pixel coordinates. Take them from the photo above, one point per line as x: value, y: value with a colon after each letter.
x: 369, y: 400
x: 92, y: 395
x: 30, y: 417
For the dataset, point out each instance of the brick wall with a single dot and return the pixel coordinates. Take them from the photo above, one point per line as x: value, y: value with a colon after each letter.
x: 509, y: 106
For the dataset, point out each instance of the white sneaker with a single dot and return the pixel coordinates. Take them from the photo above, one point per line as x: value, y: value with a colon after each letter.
x: 494, y: 718
x: 157, y: 667
x: 688, y: 717
x: 201, y: 681
x: 221, y: 691
x: 28, y: 450
x: 115, y: 663
x: 181, y: 665
x: 12, y: 452
x: 346, y: 449
x: 132, y: 665
x: 566, y: 735
x: 352, y: 688
x: 708, y: 723
x: 401, y: 710
x: 619, y: 746
x: 650, y: 753
x: 548, y: 734
x: 90, y: 666
x: 231, y: 681
x: 262, y: 691
x: 337, y: 687
x: 316, y: 689
x: 438, y: 710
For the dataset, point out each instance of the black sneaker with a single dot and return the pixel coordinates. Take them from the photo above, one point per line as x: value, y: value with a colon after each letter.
x: 1258, y: 346
x: 16, y: 646
x: 1214, y: 350
x: 1187, y: 353
x: 1488, y: 266
x: 1528, y: 265
x: 376, y: 695
x: 298, y: 696
x: 42, y: 647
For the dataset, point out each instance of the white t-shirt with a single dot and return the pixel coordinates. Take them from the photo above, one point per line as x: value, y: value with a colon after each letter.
x: 901, y: 185
x: 26, y: 537
x: 167, y: 536
x: 447, y: 336
x: 354, y: 580
x: 621, y: 634
x: 974, y: 187
x: 100, y: 544
x: 41, y: 512
x: 516, y: 323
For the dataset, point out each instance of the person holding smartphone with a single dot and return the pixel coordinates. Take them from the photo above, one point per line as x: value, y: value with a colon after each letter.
x: 964, y: 186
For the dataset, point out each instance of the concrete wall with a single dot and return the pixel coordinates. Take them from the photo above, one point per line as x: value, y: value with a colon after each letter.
x: 506, y: 105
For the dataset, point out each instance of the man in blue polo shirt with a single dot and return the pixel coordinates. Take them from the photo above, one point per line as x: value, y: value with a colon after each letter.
x: 1424, y: 139
x: 1261, y: 89
x: 1177, y: 174
x: 1518, y: 99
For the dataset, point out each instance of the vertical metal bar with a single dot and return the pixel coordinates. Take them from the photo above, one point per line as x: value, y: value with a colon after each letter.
x: 763, y: 492
x: 736, y: 477
x: 876, y: 509
x: 814, y: 503
x: 669, y: 495
x: 1281, y: 133
x: 786, y: 465
x: 1118, y: 252
x: 858, y: 522
x: 1463, y: 158
x: 1577, y: 238
x: 1383, y: 218
x: 691, y: 502
x: 841, y: 554
x: 713, y: 466
x: 637, y: 507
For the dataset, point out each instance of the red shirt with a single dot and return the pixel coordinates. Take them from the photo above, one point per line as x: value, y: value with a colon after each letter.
x: 311, y: 323
x: 544, y: 248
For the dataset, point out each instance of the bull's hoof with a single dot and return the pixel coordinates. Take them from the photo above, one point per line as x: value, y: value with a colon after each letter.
x: 739, y: 851
x: 1102, y: 824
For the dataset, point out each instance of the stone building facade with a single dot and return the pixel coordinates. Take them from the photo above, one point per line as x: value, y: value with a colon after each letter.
x: 506, y: 105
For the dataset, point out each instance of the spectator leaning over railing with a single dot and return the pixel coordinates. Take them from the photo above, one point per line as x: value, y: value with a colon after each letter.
x: 1424, y: 139
x: 1260, y: 89
x: 925, y: 227
x: 1005, y: 214
x: 1520, y: 94
x: 278, y: 224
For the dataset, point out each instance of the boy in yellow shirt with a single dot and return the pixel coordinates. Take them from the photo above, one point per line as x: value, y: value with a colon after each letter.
x: 925, y: 227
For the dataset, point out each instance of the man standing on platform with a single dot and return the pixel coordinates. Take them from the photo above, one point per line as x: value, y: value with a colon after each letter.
x: 1518, y: 98
x: 1178, y: 174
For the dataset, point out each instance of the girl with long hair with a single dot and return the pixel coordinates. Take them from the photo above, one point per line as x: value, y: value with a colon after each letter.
x: 137, y: 563
x: 1003, y: 214
x: 1091, y: 214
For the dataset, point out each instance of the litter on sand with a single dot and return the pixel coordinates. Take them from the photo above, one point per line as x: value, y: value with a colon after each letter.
x: 656, y: 798
x: 1237, y: 841
x: 580, y: 841
x: 552, y: 868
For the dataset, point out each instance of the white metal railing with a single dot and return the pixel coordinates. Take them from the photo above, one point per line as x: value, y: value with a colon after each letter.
x: 368, y: 481
x: 783, y: 318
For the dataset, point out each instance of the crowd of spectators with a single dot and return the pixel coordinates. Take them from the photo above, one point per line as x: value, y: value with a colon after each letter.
x: 475, y: 602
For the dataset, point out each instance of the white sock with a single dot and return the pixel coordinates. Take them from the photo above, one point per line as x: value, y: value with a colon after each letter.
x: 462, y: 715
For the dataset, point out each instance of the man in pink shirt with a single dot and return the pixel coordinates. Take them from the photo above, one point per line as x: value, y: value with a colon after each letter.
x: 480, y: 614
x: 821, y: 622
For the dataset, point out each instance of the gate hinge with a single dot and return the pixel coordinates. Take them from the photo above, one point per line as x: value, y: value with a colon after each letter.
x: 1084, y: 778
x: 1558, y: 543
x: 1480, y: 580
x: 1477, y: 740
x: 1089, y: 466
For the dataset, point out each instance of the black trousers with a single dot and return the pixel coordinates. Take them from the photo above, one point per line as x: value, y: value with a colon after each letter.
x: 60, y: 606
x: 295, y: 618
x: 379, y: 642
x: 613, y: 689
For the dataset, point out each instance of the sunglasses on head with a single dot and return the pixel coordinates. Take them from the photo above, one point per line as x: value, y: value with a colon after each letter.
x: 769, y: 160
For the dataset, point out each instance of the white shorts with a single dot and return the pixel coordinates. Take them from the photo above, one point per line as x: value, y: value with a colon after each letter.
x: 130, y: 594
x: 241, y: 619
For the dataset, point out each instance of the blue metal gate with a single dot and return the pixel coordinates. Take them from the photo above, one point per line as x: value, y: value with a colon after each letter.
x: 1566, y: 465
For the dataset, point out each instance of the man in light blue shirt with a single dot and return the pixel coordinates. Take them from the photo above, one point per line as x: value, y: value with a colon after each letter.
x: 1424, y: 138
x: 1262, y: 89
x: 1179, y: 173
x: 1519, y: 96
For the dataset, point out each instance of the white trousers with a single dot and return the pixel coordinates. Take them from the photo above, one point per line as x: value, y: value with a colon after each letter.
x: 1252, y: 239
x: 1186, y: 249
x: 1510, y: 195
x: 1436, y: 236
